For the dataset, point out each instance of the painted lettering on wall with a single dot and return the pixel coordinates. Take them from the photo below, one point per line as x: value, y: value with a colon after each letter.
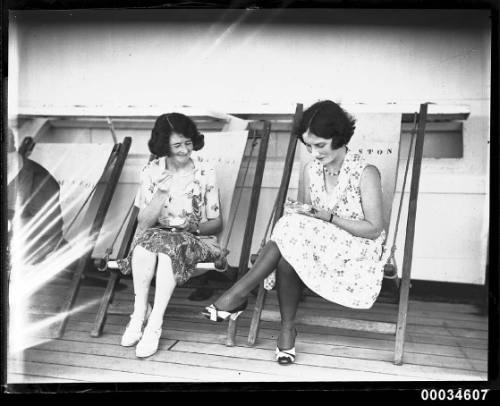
x: 378, y: 151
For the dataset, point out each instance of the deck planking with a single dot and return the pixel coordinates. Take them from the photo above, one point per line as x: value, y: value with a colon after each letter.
x: 445, y: 341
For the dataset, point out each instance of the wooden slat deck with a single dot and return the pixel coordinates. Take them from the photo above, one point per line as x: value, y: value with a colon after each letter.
x: 446, y: 341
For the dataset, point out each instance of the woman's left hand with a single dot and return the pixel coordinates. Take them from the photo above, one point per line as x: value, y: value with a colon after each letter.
x: 319, y: 214
x: 191, y: 226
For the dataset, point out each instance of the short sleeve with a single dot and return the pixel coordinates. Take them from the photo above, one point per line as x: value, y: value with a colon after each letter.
x: 146, y: 188
x: 212, y: 202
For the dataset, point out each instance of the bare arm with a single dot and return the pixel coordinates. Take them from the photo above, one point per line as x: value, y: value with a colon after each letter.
x: 211, y: 227
x: 371, y: 201
x: 148, y: 216
x: 150, y: 212
x: 304, y: 194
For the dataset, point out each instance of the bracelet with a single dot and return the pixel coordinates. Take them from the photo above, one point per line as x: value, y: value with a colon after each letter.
x: 331, y: 217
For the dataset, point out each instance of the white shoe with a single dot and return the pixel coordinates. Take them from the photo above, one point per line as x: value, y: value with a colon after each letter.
x: 149, y: 342
x: 133, y: 332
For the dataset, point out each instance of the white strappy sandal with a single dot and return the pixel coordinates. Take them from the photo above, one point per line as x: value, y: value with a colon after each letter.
x: 212, y: 313
x: 285, y: 357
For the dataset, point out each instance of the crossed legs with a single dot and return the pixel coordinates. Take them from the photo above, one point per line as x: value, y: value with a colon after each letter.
x: 146, y: 264
x: 289, y: 290
x: 265, y: 264
x: 289, y: 293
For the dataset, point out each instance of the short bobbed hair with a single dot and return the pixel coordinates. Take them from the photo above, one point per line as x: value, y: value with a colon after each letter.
x: 167, y: 124
x: 326, y: 119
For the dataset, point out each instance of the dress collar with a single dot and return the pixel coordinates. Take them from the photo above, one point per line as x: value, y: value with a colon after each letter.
x: 163, y: 165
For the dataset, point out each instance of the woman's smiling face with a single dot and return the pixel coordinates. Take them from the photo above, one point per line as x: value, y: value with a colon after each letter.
x: 180, y: 148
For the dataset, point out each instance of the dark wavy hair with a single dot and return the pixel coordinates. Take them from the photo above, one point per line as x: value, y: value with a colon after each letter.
x: 326, y: 119
x: 165, y: 125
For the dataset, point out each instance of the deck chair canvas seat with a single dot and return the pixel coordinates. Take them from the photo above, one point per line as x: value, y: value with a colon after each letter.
x: 377, y: 136
x: 225, y: 151
x: 87, y: 175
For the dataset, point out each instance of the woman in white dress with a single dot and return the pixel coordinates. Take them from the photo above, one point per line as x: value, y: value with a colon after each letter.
x: 330, y: 241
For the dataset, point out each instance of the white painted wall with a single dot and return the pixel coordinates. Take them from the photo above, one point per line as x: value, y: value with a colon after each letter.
x: 245, y: 58
x: 249, y: 61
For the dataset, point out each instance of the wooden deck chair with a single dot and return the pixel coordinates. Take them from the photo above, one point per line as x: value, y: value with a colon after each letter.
x: 227, y: 162
x: 87, y: 175
x: 381, y: 149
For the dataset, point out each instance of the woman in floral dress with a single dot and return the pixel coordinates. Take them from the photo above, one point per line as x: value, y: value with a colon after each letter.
x: 330, y: 241
x: 179, y: 216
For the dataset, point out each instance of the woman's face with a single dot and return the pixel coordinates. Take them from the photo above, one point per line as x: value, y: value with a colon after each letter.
x: 320, y: 148
x: 180, y: 148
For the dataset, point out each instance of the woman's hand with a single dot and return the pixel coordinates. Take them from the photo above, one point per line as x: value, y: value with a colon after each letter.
x: 371, y: 226
x: 165, y: 181
x: 191, y: 226
x: 294, y: 206
x: 319, y: 214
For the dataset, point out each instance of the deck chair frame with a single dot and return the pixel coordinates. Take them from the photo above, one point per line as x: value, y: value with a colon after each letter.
x: 233, y: 324
x: 262, y: 131
x: 101, y: 199
x: 404, y: 285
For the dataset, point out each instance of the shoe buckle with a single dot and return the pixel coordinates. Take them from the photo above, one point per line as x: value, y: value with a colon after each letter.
x: 213, y: 313
x: 234, y: 316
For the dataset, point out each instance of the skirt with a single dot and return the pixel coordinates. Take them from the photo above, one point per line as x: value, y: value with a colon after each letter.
x: 184, y: 249
x: 333, y: 263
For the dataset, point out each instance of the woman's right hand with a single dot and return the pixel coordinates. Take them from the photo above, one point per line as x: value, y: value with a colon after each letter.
x: 164, y: 181
x: 294, y: 206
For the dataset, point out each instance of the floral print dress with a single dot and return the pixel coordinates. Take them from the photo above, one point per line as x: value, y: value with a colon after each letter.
x: 333, y: 263
x: 192, y: 197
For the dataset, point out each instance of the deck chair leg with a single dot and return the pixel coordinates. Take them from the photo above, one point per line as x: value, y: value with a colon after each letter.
x: 231, y: 333
x: 257, y: 312
x: 113, y: 280
x: 104, y: 200
x: 280, y: 201
x: 404, y: 293
x: 252, y: 214
x: 60, y: 325
x: 409, y: 239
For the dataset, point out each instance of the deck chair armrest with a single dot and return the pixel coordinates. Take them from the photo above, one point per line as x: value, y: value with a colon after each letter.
x: 112, y: 264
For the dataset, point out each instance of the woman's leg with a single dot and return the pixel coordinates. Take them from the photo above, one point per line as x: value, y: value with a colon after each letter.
x: 143, y: 270
x: 165, y: 285
x: 265, y: 264
x: 289, y: 293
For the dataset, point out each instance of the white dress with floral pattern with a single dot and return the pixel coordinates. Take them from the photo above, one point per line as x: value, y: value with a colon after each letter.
x: 333, y: 263
x: 192, y: 196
